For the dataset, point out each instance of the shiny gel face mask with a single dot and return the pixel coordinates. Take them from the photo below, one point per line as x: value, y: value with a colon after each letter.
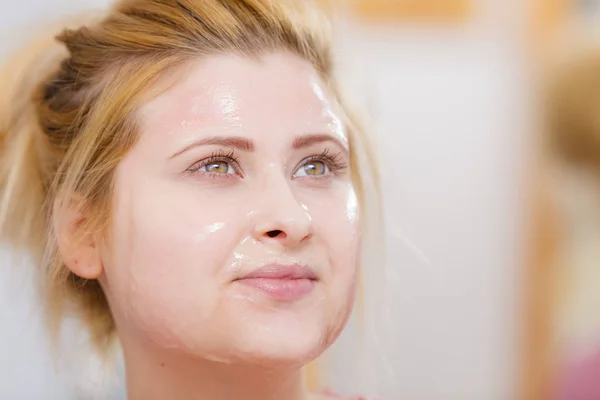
x: 236, y: 232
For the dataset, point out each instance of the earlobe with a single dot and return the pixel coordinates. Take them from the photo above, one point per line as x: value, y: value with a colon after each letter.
x: 77, y: 246
x: 85, y: 262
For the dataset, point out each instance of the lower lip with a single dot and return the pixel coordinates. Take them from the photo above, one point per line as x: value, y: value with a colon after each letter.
x: 281, y: 289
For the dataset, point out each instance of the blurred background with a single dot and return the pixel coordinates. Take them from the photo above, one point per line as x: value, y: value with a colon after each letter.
x: 492, y: 208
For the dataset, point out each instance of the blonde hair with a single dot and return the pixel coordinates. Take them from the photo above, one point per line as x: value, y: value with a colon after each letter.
x: 68, y: 115
x: 571, y: 110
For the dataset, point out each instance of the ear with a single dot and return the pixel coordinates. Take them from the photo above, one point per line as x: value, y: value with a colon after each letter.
x: 80, y: 250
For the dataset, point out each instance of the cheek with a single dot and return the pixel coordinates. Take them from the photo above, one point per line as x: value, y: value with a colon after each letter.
x: 336, y: 224
x: 168, y: 250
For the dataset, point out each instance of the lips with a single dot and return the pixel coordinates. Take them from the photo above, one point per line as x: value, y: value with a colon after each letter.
x: 281, y: 282
x: 284, y: 272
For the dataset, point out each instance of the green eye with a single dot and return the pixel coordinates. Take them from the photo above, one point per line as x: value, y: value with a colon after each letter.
x: 313, y: 168
x: 217, y: 167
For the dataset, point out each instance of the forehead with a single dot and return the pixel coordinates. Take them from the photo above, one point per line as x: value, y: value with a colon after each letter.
x: 278, y: 88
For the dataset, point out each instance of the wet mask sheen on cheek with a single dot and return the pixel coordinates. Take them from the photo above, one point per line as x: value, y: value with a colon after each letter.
x: 172, y: 243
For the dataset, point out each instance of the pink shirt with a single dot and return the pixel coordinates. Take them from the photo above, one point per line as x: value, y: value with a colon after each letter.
x: 581, y: 381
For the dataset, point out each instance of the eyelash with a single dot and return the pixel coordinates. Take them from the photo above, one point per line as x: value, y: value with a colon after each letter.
x: 333, y: 162
x: 218, y: 156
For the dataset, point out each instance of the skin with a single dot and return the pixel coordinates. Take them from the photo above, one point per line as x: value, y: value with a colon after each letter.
x: 241, y: 164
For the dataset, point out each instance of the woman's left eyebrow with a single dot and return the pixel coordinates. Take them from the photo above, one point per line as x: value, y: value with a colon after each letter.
x: 311, y: 139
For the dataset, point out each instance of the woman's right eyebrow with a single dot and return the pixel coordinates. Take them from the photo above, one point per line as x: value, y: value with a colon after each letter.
x: 236, y: 142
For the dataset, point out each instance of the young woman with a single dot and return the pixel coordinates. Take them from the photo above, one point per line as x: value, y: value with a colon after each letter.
x: 187, y: 175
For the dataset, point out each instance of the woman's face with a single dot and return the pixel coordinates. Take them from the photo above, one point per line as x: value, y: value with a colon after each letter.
x: 235, y: 232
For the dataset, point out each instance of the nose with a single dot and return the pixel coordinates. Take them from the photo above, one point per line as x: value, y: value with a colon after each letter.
x: 280, y: 219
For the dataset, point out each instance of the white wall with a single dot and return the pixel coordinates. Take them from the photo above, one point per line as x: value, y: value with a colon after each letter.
x: 448, y: 108
x: 450, y: 146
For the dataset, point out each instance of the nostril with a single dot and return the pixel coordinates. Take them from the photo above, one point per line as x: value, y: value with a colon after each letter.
x: 274, y: 234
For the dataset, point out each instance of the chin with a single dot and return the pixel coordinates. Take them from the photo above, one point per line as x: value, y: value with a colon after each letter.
x: 283, y: 347
x: 275, y: 357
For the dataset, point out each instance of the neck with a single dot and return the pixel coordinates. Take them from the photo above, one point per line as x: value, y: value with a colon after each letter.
x: 152, y: 374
